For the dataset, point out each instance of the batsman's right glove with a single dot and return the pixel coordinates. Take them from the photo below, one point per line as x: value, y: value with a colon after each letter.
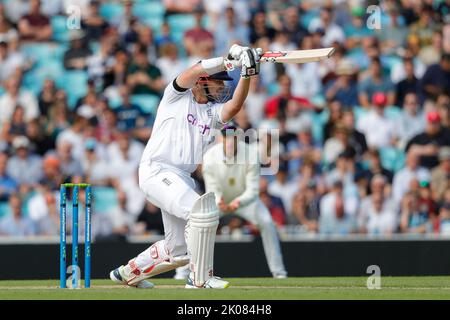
x: 250, y: 62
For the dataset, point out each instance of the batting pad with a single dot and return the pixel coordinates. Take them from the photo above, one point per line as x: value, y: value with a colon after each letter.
x: 153, y: 261
x: 203, y: 222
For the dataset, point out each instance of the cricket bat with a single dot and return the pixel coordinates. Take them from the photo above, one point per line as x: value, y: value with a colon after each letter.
x: 297, y: 56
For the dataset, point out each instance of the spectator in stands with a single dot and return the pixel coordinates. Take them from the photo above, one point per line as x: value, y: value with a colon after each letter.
x: 146, y: 39
x: 6, y: 26
x: 335, y: 115
x: 357, y: 140
x: 180, y: 6
x: 413, y: 219
x: 303, y: 147
x: 94, y: 25
x: 402, y: 179
x: 40, y: 141
x: 16, y: 224
x: 96, y: 169
x: 336, y: 144
x: 16, y: 127
x: 411, y: 120
x: 100, y: 62
x: 47, y: 224
x: 377, y: 213
x: 143, y: 77
x: 35, y: 26
x: 283, y: 188
x: 198, y: 34
x: 375, y: 82
x: 292, y: 25
x: 428, y: 143
x: 8, y: 185
x: 149, y: 221
x: 230, y: 30
x: 409, y: 85
x: 309, y: 84
x: 53, y: 176
x: 116, y: 75
x: 58, y: 116
x: 335, y: 216
x: 259, y: 27
x: 47, y: 97
x: 305, y: 207
x: 129, y: 115
x: 11, y: 60
x: 331, y: 31
x: 75, y: 58
x: 376, y: 167
x: 24, y: 167
x: 70, y: 166
x: 344, y: 88
x: 124, y: 155
x: 440, y: 176
x: 273, y: 204
x: 444, y: 219
x: 278, y: 103
x: 169, y: 63
x: 378, y: 129
x: 443, y: 108
x: 381, y: 217
x: 74, y: 134
x: 436, y: 79
x: 344, y: 171
x: 14, y: 96
x: 126, y: 21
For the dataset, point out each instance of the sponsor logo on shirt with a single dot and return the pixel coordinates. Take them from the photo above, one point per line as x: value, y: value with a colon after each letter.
x: 203, y: 128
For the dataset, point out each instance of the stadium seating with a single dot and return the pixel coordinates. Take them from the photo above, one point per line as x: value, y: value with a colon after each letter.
x: 59, y: 27
x: 110, y: 10
x: 74, y: 83
x: 105, y: 199
x: 147, y: 102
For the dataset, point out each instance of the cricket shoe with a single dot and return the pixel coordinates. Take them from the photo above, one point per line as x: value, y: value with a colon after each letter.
x: 211, y: 283
x: 118, y: 276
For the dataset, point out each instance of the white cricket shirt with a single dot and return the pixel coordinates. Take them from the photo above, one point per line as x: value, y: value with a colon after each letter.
x: 182, y: 130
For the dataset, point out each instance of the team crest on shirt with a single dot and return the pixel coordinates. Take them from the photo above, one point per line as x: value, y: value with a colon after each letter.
x: 231, y: 181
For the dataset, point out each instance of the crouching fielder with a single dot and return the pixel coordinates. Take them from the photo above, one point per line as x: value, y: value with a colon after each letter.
x: 231, y: 171
x: 193, y: 105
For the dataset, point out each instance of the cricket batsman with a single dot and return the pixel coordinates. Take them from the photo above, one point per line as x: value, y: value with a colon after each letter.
x: 231, y: 171
x: 192, y: 107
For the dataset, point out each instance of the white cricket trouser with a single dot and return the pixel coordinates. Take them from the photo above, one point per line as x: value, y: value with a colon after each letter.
x: 258, y: 214
x: 173, y: 192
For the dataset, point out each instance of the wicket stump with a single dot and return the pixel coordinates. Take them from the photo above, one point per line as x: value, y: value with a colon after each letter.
x: 87, y: 235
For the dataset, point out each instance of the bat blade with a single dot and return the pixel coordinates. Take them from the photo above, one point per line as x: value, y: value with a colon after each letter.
x: 298, y: 56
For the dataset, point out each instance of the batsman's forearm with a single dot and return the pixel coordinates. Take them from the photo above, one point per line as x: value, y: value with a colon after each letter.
x: 232, y: 107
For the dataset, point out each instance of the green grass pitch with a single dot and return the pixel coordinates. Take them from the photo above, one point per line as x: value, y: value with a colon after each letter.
x: 241, y: 288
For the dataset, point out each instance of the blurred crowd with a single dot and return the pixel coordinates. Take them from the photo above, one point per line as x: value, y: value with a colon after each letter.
x: 364, y: 136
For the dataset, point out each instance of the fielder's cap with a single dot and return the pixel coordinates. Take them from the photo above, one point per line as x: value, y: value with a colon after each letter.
x: 444, y: 154
x: 223, y: 75
x: 433, y: 116
x: 20, y: 142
